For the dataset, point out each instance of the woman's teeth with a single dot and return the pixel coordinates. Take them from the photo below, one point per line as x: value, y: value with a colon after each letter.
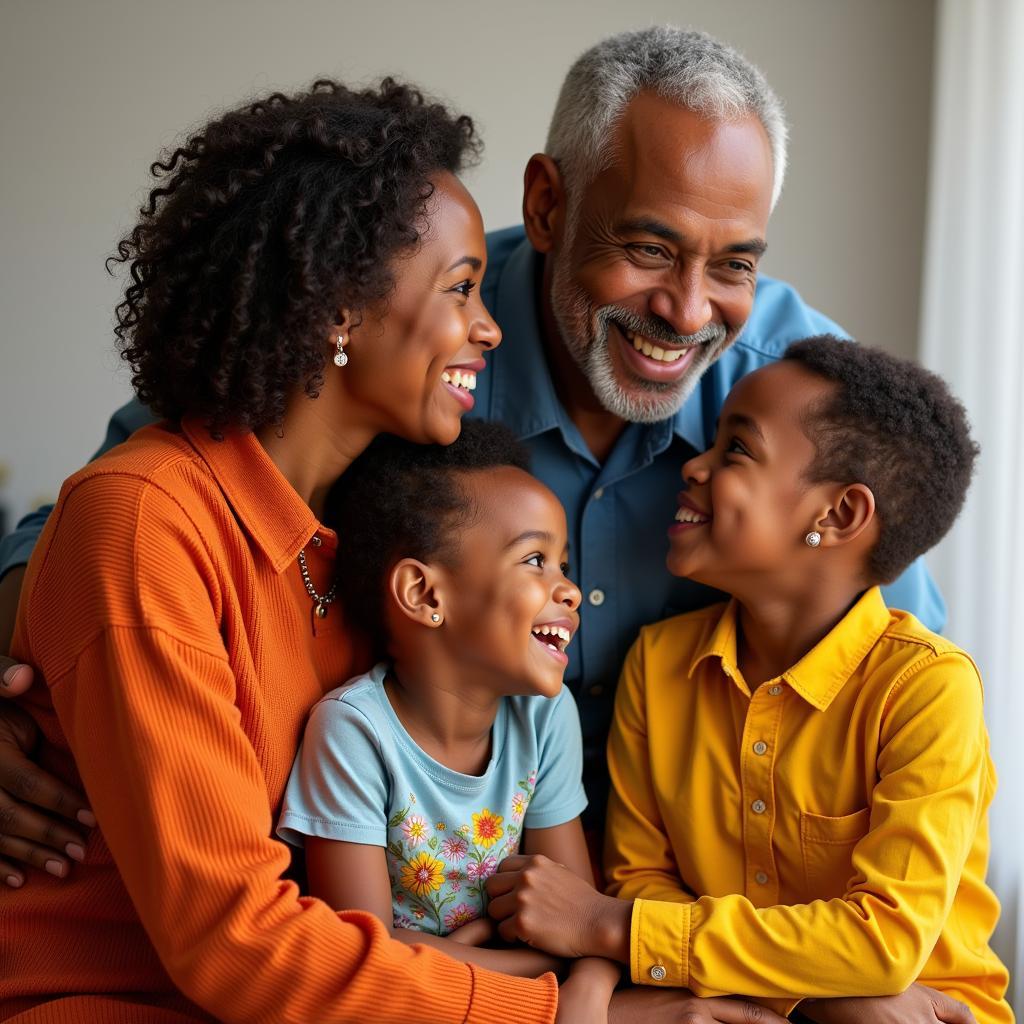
x: 558, y: 636
x: 663, y: 355
x: 460, y: 379
x: 687, y: 515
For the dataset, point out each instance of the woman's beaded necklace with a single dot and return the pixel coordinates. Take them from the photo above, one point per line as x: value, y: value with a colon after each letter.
x: 320, y: 601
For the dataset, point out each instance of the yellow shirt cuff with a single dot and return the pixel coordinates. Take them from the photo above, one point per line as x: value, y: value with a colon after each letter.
x: 659, y: 944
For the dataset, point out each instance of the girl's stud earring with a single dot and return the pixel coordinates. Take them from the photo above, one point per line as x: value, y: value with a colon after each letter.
x: 341, y: 356
x: 813, y: 539
x: 435, y: 617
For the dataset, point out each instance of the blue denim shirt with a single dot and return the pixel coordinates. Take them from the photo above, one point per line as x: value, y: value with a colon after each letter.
x: 618, y: 512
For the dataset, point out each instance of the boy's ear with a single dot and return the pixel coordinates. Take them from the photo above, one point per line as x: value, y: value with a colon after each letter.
x: 851, y: 513
x: 543, y: 202
x: 416, y: 593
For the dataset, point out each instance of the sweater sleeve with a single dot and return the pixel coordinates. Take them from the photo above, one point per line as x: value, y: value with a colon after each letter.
x: 933, y: 774
x: 149, y: 715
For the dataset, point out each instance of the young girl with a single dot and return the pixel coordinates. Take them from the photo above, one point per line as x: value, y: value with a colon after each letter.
x: 801, y: 777
x: 462, y: 746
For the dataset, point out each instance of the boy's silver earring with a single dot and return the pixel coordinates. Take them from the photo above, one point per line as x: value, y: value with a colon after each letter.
x: 341, y: 356
x: 813, y: 539
x: 435, y: 617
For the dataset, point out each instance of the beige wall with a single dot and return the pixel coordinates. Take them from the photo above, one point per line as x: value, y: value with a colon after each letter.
x: 93, y: 90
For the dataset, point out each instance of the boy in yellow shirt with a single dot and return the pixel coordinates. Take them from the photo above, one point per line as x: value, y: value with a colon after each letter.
x: 801, y: 777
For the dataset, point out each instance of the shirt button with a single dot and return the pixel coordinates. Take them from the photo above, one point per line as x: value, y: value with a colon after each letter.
x: 599, y: 494
x: 658, y: 972
x: 596, y: 690
x: 759, y: 807
x: 761, y: 878
x: 316, y: 540
x: 596, y: 597
x: 760, y: 747
x: 775, y: 690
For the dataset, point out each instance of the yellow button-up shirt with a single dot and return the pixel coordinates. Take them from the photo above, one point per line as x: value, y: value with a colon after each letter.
x: 825, y: 834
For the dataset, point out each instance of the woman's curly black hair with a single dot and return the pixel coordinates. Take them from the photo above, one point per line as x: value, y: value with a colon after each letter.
x: 403, y: 500
x: 264, y: 224
x: 896, y: 427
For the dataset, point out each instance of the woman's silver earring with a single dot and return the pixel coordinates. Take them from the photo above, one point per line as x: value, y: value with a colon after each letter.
x: 435, y: 617
x: 341, y: 356
x: 813, y: 539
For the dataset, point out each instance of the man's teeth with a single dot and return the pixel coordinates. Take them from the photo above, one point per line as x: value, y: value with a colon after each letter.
x: 663, y: 355
x: 687, y: 515
x: 560, y: 636
x: 460, y: 379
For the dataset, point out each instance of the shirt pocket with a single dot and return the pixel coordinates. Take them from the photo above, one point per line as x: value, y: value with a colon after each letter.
x: 827, y: 845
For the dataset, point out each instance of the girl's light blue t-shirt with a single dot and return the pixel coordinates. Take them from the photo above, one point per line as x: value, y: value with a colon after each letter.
x: 360, y: 777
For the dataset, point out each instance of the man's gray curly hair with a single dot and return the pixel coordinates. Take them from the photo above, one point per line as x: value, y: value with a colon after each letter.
x: 691, y: 68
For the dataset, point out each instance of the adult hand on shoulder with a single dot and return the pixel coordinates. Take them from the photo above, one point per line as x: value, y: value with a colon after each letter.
x: 27, y: 836
x: 678, y: 1006
x: 548, y: 906
x: 918, y: 1005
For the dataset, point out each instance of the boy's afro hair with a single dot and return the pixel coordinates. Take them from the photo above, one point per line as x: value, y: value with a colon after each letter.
x: 895, y: 427
x: 403, y: 500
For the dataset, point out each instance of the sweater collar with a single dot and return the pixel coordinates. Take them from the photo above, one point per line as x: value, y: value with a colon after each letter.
x: 279, y: 522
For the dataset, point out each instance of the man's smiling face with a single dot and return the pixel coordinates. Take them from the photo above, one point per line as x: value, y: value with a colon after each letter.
x: 654, y: 275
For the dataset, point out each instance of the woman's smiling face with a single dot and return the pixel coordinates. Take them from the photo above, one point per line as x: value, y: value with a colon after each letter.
x: 748, y: 504
x: 414, y: 356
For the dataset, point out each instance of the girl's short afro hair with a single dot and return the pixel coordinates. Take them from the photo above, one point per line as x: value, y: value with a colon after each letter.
x: 895, y: 427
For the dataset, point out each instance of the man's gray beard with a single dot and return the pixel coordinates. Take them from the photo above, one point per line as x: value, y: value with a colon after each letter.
x: 584, y: 332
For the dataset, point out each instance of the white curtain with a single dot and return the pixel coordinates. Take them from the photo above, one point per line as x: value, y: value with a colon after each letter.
x: 973, y: 334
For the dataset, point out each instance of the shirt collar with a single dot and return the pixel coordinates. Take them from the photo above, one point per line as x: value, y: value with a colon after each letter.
x: 524, y: 394
x: 271, y: 512
x: 821, y: 673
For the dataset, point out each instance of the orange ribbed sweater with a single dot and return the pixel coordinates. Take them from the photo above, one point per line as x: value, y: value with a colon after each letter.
x: 165, y: 610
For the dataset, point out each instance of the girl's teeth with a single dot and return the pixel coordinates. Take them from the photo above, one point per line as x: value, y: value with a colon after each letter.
x: 559, y: 632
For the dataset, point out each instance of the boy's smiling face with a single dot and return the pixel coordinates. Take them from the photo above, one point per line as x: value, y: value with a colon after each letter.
x: 509, y: 610
x: 748, y: 504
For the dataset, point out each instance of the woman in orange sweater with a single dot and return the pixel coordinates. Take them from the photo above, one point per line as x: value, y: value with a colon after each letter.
x: 303, y: 278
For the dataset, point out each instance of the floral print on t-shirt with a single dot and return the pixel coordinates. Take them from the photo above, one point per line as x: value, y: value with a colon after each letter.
x: 438, y: 868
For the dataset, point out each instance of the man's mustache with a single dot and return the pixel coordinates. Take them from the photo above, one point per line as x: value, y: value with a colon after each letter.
x: 656, y: 329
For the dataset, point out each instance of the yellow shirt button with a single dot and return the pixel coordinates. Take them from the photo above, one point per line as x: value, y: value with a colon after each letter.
x: 658, y: 972
x: 759, y: 807
x: 760, y: 747
x: 775, y: 690
x: 761, y: 878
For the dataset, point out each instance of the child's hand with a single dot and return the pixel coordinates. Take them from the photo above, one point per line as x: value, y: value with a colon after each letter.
x: 580, y: 1003
x: 476, y: 933
x: 918, y: 1005
x: 670, y: 1006
x: 546, y: 905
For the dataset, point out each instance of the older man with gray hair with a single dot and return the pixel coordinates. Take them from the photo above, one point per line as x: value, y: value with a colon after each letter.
x: 630, y: 302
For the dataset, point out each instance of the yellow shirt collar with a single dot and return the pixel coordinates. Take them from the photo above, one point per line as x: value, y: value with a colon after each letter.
x: 821, y: 673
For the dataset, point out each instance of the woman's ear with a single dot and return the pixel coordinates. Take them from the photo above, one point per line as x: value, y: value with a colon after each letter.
x: 543, y: 202
x: 415, y: 591
x: 852, y: 512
